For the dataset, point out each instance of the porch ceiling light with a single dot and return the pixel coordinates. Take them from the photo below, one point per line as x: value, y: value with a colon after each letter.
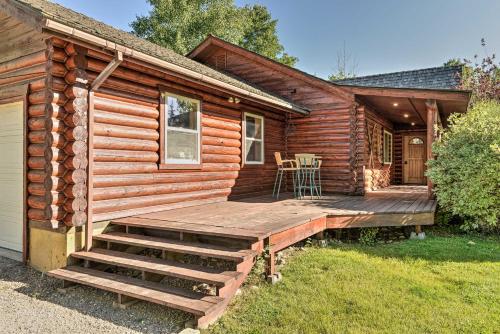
x: 395, y: 104
x: 406, y: 115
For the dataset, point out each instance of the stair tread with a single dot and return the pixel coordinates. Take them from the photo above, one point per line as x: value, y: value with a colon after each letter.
x: 196, y: 303
x: 159, y: 266
x: 159, y: 222
x: 178, y: 246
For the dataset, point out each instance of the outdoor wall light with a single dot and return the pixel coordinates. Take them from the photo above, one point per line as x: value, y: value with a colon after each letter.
x: 395, y: 104
x: 412, y: 123
x: 406, y: 115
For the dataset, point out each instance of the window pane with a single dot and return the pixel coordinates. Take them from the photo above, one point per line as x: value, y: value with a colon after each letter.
x: 387, y: 147
x: 253, y: 127
x: 253, y: 151
x: 182, y: 146
x: 182, y: 113
x: 416, y: 141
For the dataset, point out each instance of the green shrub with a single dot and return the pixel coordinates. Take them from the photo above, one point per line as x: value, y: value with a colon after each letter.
x: 368, y: 235
x: 466, y: 172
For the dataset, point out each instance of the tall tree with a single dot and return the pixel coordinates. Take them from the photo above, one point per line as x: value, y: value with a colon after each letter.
x: 182, y: 24
x: 260, y: 35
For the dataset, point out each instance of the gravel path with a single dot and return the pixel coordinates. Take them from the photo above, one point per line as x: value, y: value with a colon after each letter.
x: 30, y: 303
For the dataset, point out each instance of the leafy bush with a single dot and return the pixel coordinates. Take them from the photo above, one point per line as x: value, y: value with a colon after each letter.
x: 368, y: 235
x: 466, y: 172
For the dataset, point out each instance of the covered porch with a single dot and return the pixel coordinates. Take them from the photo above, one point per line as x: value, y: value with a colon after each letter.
x: 400, y: 126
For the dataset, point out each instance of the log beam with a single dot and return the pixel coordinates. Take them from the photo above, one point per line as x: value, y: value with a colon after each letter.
x: 432, y: 112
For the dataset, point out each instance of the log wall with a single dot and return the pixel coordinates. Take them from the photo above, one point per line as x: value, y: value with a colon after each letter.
x: 126, y: 174
x: 334, y: 129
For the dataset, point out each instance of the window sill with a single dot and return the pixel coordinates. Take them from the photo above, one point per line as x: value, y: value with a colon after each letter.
x: 180, y: 166
x: 253, y: 164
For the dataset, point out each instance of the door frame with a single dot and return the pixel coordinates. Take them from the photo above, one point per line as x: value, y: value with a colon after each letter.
x: 20, y: 93
x: 403, y: 151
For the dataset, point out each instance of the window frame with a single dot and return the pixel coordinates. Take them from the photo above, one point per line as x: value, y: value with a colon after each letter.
x: 178, y: 163
x: 387, y: 162
x: 244, y: 139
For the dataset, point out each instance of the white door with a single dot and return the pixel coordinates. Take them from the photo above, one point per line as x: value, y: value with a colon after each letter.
x: 11, y: 176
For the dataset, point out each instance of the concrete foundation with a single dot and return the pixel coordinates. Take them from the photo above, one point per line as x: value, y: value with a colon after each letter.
x: 50, y: 248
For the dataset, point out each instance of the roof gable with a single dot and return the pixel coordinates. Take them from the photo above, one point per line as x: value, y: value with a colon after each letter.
x: 205, y: 49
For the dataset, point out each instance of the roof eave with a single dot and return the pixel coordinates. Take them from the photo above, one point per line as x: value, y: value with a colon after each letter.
x: 448, y: 94
x: 59, y: 28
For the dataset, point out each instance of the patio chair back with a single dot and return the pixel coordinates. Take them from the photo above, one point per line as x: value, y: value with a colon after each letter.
x: 305, y: 159
x: 279, y: 160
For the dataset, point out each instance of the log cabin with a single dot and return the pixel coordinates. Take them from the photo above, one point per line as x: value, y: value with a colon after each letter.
x: 118, y: 153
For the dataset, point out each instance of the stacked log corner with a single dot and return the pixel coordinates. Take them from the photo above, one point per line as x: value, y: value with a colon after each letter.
x: 76, y: 134
x: 357, y: 146
x: 57, y: 130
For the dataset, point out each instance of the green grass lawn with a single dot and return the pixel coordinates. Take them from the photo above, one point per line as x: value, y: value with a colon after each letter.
x: 444, y: 284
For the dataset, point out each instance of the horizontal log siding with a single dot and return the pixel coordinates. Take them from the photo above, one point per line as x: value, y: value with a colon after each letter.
x: 327, y: 131
x: 126, y: 176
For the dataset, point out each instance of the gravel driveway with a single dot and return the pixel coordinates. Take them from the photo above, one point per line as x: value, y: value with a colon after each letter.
x: 30, y: 303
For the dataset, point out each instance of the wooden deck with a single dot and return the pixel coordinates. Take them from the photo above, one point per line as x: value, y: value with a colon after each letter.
x: 152, y: 247
x: 258, y: 218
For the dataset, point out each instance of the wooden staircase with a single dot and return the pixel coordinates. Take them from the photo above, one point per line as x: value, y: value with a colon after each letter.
x: 164, y: 266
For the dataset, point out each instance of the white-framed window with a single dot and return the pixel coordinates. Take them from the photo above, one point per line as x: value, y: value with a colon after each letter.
x: 387, y: 152
x: 182, y: 128
x: 254, y: 139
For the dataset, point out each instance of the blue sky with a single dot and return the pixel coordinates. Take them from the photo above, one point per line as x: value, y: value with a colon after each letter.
x: 382, y: 36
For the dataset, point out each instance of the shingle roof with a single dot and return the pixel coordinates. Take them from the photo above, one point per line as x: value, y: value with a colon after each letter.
x: 444, y: 77
x: 58, y: 13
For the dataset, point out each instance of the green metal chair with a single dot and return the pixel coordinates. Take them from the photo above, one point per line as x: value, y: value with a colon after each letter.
x: 310, y: 168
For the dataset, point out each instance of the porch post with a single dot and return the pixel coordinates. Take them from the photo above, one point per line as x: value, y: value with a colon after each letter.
x: 432, y: 112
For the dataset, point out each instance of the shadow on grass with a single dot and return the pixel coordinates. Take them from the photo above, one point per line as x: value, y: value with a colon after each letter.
x: 437, y: 247
x: 141, y: 317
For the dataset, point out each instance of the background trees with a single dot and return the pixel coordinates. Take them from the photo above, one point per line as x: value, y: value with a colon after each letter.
x: 182, y: 24
x: 346, y: 65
